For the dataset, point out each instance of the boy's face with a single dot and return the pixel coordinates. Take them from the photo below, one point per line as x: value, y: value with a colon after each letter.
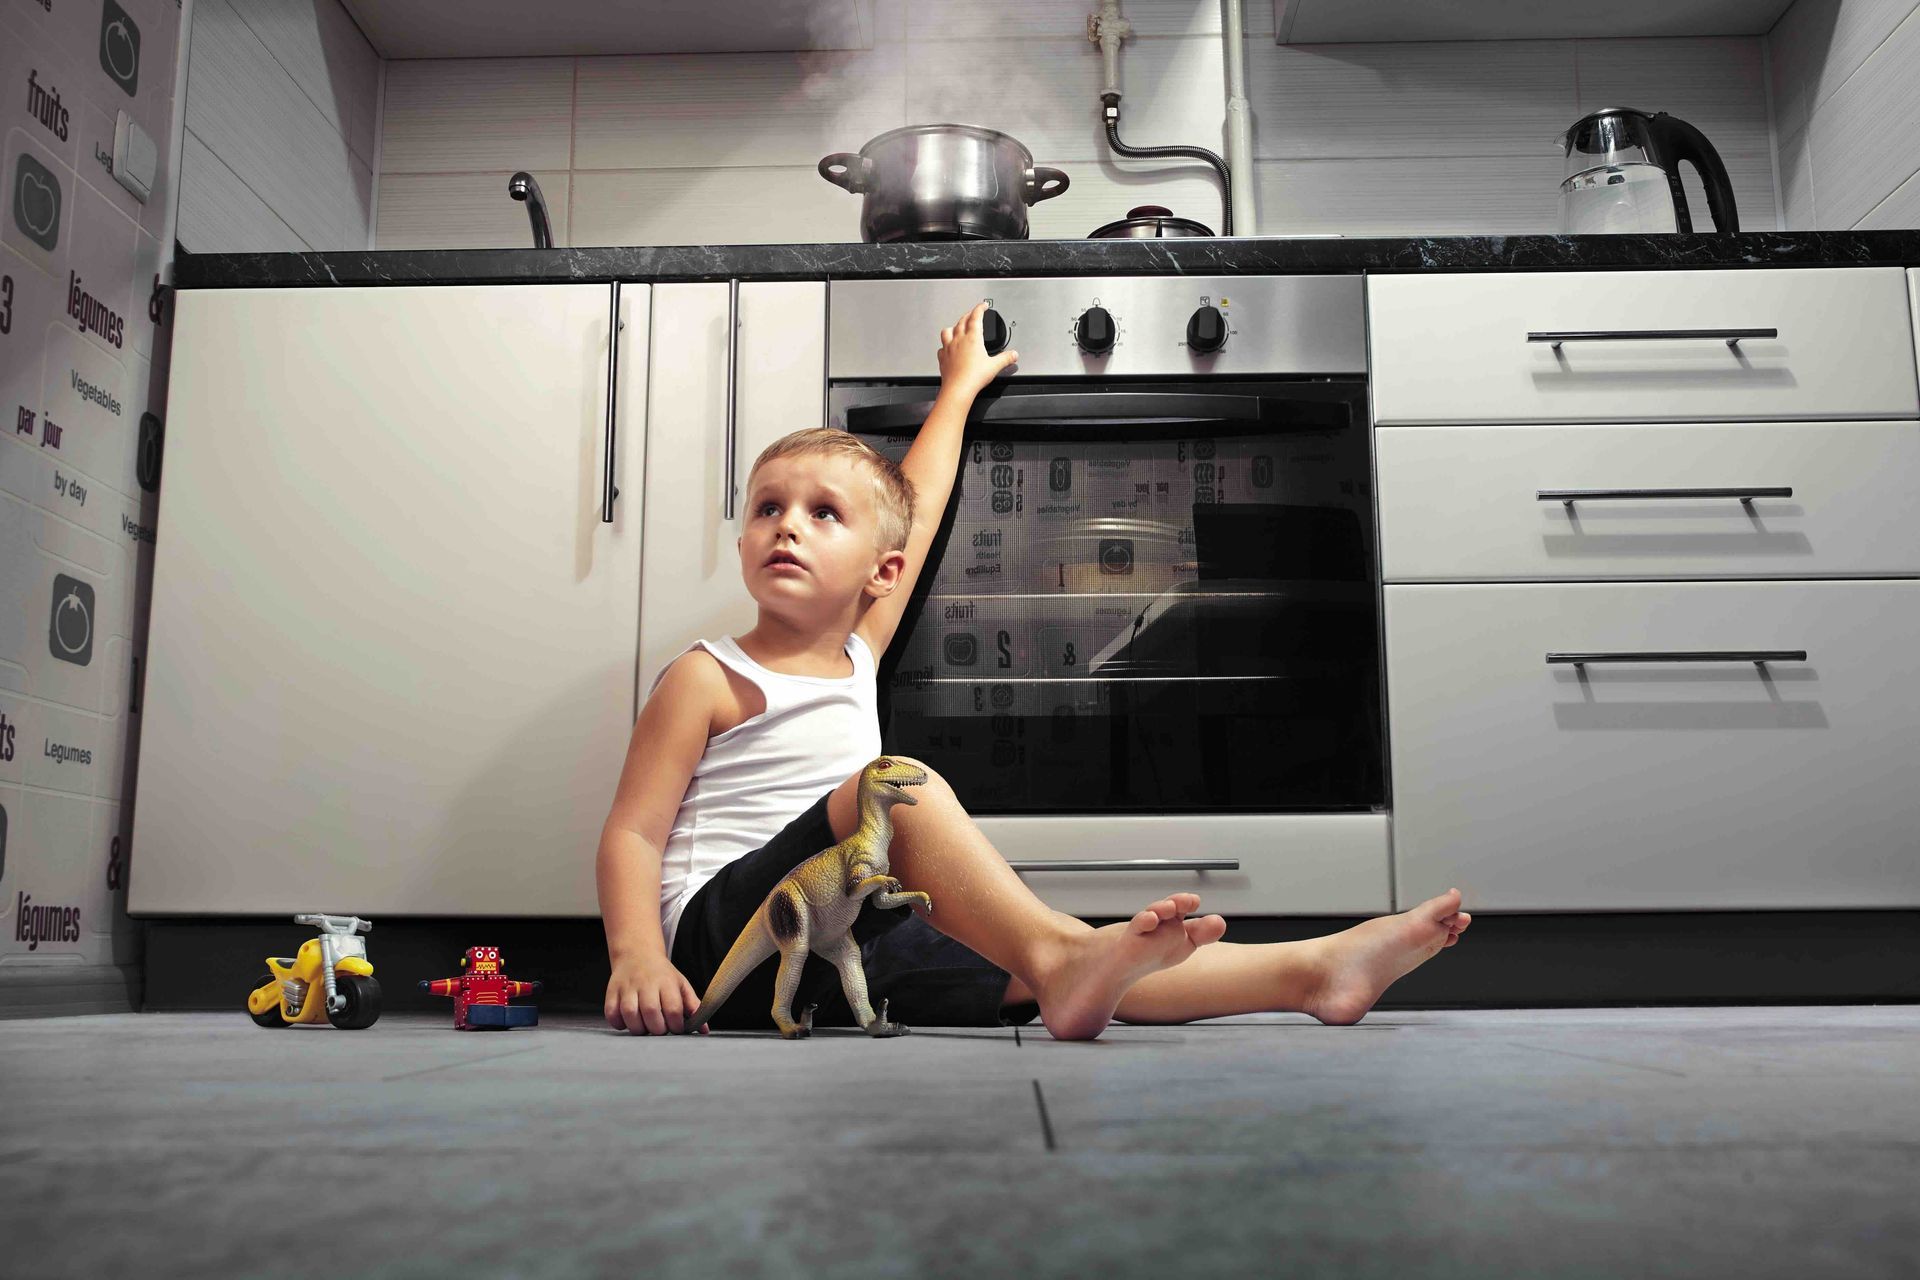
x: 809, y: 548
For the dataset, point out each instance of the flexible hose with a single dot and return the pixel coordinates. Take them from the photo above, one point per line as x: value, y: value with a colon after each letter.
x: 1112, y: 113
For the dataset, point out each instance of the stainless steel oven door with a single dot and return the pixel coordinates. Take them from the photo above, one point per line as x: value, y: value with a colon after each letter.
x: 1145, y: 599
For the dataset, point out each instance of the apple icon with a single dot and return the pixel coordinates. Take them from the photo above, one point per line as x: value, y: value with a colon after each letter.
x: 36, y: 202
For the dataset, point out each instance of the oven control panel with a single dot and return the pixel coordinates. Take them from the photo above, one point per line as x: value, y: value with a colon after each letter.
x: 1105, y: 325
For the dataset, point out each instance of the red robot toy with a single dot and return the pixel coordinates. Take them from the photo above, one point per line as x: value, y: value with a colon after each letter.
x: 481, y: 992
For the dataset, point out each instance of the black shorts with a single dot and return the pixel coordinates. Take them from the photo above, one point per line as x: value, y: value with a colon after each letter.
x: 926, y: 978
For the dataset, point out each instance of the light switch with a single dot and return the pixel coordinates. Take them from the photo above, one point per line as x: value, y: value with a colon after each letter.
x: 136, y: 161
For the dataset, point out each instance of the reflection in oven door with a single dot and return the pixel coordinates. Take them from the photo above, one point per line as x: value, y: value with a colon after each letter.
x: 1149, y: 625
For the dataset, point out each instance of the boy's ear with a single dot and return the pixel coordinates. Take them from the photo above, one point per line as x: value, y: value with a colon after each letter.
x: 886, y: 574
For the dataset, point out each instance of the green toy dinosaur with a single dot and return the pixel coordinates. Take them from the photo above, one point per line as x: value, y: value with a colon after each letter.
x: 814, y: 906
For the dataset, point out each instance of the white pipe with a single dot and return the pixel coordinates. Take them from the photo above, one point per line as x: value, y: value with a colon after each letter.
x: 1239, y: 121
x: 1107, y: 29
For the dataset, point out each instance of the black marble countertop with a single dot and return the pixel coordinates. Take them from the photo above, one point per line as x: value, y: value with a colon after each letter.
x: 1196, y: 256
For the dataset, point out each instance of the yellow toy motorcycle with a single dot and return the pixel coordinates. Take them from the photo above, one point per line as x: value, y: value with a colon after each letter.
x: 330, y: 979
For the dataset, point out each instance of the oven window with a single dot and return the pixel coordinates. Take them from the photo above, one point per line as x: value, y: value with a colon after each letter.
x: 1149, y: 616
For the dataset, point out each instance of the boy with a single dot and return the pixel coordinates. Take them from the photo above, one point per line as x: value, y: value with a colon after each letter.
x: 741, y: 734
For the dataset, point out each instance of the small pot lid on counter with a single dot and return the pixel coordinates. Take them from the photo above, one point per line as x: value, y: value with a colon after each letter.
x: 1150, y: 222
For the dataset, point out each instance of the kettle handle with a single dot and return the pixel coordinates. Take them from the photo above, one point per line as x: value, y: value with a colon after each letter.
x: 845, y: 169
x: 1681, y: 141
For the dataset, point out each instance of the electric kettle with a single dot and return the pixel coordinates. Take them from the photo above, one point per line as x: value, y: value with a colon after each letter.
x: 1623, y: 174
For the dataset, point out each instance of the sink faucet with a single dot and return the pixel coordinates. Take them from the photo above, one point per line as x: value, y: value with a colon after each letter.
x: 521, y: 186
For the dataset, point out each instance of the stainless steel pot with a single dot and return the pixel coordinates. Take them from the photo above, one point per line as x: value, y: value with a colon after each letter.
x: 943, y: 182
x: 1150, y: 222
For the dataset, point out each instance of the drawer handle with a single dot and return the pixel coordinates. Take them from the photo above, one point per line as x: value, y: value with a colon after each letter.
x: 1570, y: 496
x: 1131, y: 864
x: 1730, y: 336
x: 1693, y: 655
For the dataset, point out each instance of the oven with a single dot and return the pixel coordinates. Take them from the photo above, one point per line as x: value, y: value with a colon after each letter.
x: 1146, y: 649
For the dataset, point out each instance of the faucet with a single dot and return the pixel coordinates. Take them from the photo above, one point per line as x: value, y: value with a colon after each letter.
x: 521, y: 186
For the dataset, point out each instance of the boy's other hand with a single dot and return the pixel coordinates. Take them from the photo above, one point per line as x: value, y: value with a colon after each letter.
x: 650, y: 997
x: 965, y: 365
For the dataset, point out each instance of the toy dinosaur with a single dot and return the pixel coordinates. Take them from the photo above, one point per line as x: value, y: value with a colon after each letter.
x: 814, y: 906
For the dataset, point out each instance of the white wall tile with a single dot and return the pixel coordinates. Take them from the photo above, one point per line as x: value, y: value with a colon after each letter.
x: 245, y: 108
x: 1797, y: 199
x: 221, y: 214
x: 1717, y: 85
x: 478, y: 115
x: 1818, y: 44
x: 1046, y: 93
x: 1483, y: 98
x: 1473, y: 195
x: 465, y: 210
x: 319, y: 46
x: 1866, y: 135
x: 741, y: 109
x: 712, y: 206
x: 1899, y: 211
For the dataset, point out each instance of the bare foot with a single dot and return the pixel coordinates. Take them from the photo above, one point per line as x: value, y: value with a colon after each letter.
x: 1079, y: 992
x: 1365, y: 960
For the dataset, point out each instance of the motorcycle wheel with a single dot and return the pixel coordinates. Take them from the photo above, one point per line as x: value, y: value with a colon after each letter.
x: 272, y: 1017
x: 363, y: 1002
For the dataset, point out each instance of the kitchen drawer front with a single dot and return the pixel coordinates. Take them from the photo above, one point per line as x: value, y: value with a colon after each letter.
x: 1659, y: 785
x: 1464, y: 504
x: 1455, y: 348
x: 1289, y: 864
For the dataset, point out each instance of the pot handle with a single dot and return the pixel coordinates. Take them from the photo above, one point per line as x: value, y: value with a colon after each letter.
x: 1038, y: 179
x: 851, y: 166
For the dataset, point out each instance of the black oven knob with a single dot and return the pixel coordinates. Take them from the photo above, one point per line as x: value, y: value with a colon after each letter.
x: 1207, y: 330
x: 1094, y: 331
x: 993, y: 332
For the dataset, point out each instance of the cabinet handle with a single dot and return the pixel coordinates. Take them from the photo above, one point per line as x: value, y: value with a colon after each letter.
x: 733, y: 346
x: 1691, y: 655
x: 1570, y: 496
x: 608, y: 492
x: 1730, y: 336
x: 1131, y: 864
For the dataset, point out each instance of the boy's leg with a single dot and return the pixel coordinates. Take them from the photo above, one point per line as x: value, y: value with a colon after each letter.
x: 939, y: 849
x: 1077, y: 974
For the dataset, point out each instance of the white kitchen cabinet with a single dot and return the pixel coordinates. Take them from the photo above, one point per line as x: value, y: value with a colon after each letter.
x: 1658, y: 784
x: 1641, y: 346
x: 1536, y: 502
x: 393, y: 643
x: 691, y: 586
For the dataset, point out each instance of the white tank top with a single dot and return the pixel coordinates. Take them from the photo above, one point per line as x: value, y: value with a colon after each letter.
x: 765, y: 771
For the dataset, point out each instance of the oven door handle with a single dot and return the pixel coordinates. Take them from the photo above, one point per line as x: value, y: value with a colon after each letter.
x: 1128, y: 864
x: 1070, y: 410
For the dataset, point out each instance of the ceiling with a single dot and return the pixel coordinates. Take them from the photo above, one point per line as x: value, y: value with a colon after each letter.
x: 541, y: 28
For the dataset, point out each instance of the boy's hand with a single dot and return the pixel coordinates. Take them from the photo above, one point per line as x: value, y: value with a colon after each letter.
x: 965, y: 365
x: 650, y: 997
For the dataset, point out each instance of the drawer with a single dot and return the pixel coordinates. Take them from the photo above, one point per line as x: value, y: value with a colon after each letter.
x: 1465, y: 504
x: 1658, y: 784
x: 1459, y: 348
x: 1289, y: 864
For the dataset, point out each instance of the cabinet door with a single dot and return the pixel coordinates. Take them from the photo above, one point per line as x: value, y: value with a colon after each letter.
x: 690, y: 584
x: 1656, y: 785
x: 393, y: 643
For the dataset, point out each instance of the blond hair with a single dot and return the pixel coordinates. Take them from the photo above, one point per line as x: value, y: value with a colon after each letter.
x: 892, y: 491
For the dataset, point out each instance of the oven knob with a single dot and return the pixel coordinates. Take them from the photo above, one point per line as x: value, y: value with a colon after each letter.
x: 993, y: 332
x: 1207, y: 331
x: 1094, y: 331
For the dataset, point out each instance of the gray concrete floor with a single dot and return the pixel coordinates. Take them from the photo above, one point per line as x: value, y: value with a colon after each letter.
x: 1635, y: 1142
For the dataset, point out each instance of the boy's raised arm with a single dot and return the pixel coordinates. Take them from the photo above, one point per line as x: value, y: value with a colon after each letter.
x: 930, y: 464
